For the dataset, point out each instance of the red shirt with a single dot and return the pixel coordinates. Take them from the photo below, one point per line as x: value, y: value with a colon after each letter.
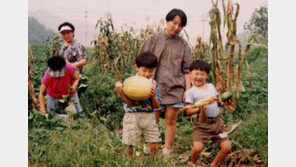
x: 58, y: 86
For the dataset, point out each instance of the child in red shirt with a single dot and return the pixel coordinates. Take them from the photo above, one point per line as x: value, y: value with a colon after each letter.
x: 58, y: 80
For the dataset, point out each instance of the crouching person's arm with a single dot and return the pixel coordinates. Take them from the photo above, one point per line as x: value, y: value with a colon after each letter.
x: 75, y: 77
x: 41, y: 99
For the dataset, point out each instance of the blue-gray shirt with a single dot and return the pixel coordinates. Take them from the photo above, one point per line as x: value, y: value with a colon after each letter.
x: 194, y: 94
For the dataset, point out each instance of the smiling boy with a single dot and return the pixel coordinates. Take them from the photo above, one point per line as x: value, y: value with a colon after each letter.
x: 213, y: 126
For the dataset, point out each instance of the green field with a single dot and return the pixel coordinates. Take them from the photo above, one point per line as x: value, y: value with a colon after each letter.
x: 96, y: 141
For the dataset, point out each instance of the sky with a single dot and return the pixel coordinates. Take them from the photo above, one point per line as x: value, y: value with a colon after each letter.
x: 135, y: 13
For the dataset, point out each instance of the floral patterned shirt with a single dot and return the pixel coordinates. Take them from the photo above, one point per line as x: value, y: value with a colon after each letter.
x: 73, y: 53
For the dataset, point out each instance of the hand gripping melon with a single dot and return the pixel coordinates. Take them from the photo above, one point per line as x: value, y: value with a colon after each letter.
x: 137, y: 88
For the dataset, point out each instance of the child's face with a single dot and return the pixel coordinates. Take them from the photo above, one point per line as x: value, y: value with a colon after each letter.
x: 145, y: 72
x: 198, y: 77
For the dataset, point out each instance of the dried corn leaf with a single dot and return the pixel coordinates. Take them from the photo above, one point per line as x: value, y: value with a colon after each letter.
x: 230, y: 128
x: 206, y: 154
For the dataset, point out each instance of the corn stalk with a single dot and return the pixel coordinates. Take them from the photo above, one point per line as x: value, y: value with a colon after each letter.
x: 33, y: 102
x: 53, y: 44
x: 238, y: 71
x: 247, y: 49
x: 216, y: 41
x: 224, y: 59
x: 115, y: 52
x: 231, y: 36
x: 199, y: 47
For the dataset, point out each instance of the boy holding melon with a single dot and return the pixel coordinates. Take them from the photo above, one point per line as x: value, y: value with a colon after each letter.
x: 141, y: 97
x: 208, y: 123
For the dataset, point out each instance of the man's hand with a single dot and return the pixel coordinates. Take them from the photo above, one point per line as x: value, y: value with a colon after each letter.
x: 118, y: 86
x: 153, y: 91
x: 229, y: 105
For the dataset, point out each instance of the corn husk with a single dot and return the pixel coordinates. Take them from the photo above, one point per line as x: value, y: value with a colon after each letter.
x: 201, y: 103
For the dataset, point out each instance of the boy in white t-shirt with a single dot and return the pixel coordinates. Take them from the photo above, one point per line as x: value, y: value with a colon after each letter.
x: 213, y: 126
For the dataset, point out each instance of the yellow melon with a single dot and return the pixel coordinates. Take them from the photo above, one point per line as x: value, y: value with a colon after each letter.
x: 137, y: 88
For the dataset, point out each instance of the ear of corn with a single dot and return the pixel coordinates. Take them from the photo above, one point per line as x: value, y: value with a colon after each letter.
x: 226, y: 96
x: 201, y: 103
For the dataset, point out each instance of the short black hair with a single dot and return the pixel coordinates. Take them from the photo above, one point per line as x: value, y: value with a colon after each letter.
x: 56, y: 63
x: 66, y: 24
x: 173, y: 13
x: 146, y: 59
x: 200, y: 65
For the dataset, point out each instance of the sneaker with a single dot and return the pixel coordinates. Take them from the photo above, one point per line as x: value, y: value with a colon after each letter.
x: 81, y: 115
x: 146, y: 149
x: 166, y: 152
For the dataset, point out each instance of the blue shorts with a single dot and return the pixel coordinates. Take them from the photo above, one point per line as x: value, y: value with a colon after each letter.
x: 175, y: 105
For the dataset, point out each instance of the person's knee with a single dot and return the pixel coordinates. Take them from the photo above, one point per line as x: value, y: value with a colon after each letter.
x: 226, y: 147
x: 170, y: 121
x: 171, y: 116
x: 197, y: 148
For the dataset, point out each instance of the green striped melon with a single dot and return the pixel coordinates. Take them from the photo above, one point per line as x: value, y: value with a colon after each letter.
x: 226, y: 96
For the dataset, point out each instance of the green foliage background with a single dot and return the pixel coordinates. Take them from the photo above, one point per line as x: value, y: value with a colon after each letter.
x: 96, y: 141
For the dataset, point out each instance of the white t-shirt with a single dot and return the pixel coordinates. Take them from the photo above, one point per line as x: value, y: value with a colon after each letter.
x: 194, y: 94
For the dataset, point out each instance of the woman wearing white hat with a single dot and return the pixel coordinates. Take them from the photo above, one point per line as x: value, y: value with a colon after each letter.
x: 71, y: 50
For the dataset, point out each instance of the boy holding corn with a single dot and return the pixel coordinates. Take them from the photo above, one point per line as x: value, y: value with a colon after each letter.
x: 212, y: 127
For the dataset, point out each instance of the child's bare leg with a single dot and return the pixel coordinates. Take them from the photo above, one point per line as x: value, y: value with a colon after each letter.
x: 153, y: 148
x: 225, y: 148
x: 196, y: 150
x: 157, y: 115
x: 130, y: 151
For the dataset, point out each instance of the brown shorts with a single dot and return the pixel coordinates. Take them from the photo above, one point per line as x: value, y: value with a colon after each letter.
x: 212, y: 128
